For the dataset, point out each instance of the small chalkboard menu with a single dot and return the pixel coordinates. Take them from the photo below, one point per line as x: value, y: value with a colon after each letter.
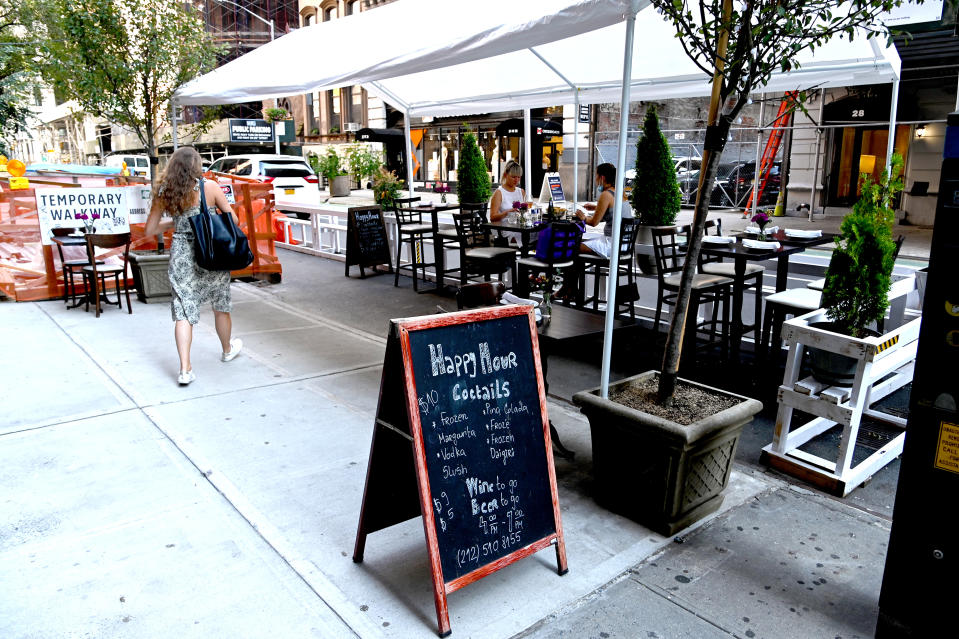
x: 367, y: 244
x: 462, y: 438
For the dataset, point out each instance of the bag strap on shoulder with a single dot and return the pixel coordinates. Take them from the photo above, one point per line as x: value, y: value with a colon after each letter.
x: 203, y: 206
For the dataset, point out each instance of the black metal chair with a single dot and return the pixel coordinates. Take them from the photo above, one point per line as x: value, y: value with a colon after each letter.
x: 411, y: 230
x: 448, y: 238
x: 670, y: 256
x: 564, y: 247
x: 476, y: 255
x: 598, y: 267
x: 752, y: 279
x: 95, y: 274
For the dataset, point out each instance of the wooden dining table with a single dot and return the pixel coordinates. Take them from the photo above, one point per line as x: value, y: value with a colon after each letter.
x: 526, y: 232
x: 741, y: 255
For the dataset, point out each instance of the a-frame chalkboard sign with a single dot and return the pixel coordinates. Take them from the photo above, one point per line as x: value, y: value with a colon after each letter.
x: 462, y: 438
x: 367, y: 244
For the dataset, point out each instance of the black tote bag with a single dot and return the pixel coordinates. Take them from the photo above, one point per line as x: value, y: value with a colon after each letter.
x: 219, y: 244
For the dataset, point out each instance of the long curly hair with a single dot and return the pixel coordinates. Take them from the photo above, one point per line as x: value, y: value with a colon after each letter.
x: 176, y: 187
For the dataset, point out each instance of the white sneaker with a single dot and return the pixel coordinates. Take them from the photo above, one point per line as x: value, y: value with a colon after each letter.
x: 185, y: 377
x: 236, y: 345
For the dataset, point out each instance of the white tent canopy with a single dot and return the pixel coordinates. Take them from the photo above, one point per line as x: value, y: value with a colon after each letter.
x: 403, y: 37
x: 587, y: 67
x: 513, y: 55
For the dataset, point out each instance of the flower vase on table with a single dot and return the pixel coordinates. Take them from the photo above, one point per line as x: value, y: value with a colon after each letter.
x: 546, y: 306
x: 761, y: 219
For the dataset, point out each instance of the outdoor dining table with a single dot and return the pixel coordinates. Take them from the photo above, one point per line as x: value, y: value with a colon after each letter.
x: 526, y: 232
x: 740, y: 255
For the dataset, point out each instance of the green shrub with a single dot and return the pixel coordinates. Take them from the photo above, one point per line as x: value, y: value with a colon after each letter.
x: 473, y: 181
x: 656, y: 197
x: 275, y: 114
x: 386, y: 187
x: 329, y: 166
x: 859, y: 275
x: 363, y: 161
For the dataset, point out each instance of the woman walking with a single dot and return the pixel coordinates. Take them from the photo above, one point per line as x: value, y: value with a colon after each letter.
x: 177, y: 193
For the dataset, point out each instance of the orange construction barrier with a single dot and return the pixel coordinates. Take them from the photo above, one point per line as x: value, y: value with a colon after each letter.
x: 31, y: 270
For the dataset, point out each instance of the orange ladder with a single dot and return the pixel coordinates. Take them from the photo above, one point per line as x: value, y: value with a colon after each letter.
x: 783, y: 117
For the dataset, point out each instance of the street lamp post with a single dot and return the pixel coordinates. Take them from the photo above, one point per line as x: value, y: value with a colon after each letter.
x: 276, y: 138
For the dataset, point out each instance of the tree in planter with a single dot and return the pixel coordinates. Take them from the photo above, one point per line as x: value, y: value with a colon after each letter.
x: 740, y: 47
x: 859, y: 275
x: 330, y: 165
x: 386, y: 187
x: 473, y: 181
x: 656, y: 197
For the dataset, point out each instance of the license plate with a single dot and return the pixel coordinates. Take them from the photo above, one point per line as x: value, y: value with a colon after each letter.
x: 289, y: 191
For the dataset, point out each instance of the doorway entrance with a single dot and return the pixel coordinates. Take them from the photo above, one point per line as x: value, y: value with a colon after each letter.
x: 858, y: 150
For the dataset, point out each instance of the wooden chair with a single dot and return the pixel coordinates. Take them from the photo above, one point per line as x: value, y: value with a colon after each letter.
x: 779, y: 306
x: 564, y: 248
x: 410, y: 230
x: 71, y: 268
x: 706, y: 288
x: 752, y: 279
x: 476, y: 254
x: 598, y: 267
x: 95, y: 274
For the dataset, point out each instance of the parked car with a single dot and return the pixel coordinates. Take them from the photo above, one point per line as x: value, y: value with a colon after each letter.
x: 687, y: 174
x: 293, y: 179
x: 734, y: 185
x: 138, y: 165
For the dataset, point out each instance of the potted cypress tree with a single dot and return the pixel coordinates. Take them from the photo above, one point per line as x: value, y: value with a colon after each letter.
x: 656, y: 197
x: 473, y: 180
x: 858, y: 278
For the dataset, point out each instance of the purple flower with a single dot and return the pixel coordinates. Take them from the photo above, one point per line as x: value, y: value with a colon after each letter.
x: 81, y: 216
x: 761, y: 219
x: 95, y: 216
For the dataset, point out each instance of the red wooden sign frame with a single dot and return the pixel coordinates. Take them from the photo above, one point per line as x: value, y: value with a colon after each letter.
x: 441, y: 588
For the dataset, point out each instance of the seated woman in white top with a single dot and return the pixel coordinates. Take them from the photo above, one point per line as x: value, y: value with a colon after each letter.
x: 504, y: 197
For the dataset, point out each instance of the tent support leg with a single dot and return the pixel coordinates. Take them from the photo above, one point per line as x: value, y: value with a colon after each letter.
x: 613, y: 280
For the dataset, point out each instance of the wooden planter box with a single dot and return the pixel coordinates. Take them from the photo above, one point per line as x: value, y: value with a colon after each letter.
x: 885, y: 364
x: 656, y: 472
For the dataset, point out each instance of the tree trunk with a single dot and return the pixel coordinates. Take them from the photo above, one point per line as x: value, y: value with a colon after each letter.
x: 712, y: 153
x: 677, y: 324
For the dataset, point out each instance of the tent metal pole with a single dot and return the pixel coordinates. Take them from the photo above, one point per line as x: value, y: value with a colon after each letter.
x: 409, y: 153
x: 527, y: 152
x: 613, y: 280
x: 576, y: 152
x: 759, y: 143
x: 815, y: 171
x: 891, y: 142
x: 176, y: 142
x: 406, y: 109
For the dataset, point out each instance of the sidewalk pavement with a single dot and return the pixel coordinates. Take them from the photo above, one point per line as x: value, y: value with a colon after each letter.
x: 133, y: 507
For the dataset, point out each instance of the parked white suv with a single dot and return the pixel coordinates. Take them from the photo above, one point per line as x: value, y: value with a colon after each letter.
x: 138, y: 165
x: 293, y: 180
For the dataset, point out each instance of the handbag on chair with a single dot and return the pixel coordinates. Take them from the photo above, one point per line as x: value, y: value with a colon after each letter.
x: 219, y: 244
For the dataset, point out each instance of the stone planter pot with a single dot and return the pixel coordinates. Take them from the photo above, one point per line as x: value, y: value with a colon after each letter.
x: 657, y: 472
x: 830, y: 367
x: 150, y: 276
x: 340, y: 186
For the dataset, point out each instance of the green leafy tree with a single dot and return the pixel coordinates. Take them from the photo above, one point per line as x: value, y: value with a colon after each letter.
x: 363, y: 161
x: 740, y: 45
x: 17, y: 69
x: 123, y: 59
x: 473, y: 181
x: 859, y: 275
x: 655, y: 197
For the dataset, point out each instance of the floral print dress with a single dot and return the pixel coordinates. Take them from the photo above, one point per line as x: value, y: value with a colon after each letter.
x: 192, y: 285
